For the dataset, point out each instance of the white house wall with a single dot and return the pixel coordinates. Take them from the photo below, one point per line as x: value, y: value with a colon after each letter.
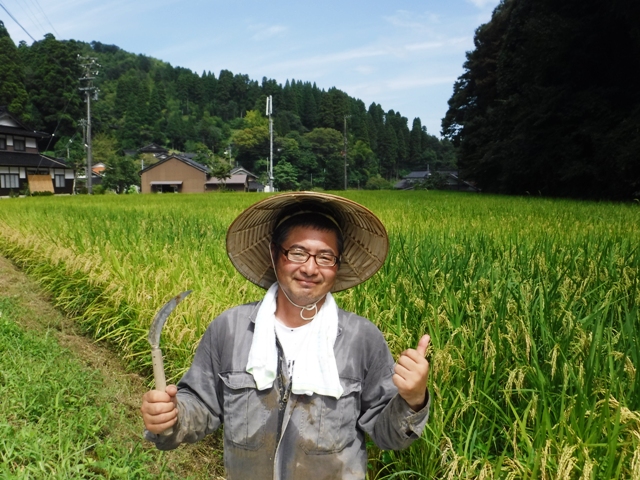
x: 17, y: 170
x: 58, y: 171
x: 8, y: 122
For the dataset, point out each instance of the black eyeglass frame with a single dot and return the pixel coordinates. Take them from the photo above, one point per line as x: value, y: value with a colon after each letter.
x: 315, y: 257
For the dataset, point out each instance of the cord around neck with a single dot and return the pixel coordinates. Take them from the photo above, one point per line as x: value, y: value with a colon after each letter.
x: 312, y: 306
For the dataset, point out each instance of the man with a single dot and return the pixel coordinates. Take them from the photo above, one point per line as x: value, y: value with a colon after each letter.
x: 295, y: 380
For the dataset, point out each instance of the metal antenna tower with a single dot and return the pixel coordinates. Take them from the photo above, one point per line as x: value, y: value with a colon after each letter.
x: 90, y: 71
x: 269, y: 113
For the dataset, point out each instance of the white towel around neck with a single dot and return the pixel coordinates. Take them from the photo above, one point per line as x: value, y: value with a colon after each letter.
x: 316, y: 370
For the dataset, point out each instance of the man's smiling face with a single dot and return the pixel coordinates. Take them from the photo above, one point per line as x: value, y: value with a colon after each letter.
x: 306, y: 283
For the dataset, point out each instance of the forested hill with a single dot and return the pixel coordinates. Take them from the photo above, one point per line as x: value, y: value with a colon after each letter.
x: 144, y: 100
x: 549, y: 101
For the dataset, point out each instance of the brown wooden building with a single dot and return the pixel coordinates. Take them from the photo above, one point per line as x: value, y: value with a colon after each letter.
x: 174, y: 174
x: 22, y: 165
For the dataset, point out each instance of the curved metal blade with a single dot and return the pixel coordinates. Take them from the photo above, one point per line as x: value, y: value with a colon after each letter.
x: 158, y: 322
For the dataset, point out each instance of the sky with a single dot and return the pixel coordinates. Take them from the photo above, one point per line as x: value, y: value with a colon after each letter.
x: 404, y: 55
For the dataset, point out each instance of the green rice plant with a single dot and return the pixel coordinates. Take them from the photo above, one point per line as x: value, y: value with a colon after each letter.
x: 532, y: 306
x: 55, y: 417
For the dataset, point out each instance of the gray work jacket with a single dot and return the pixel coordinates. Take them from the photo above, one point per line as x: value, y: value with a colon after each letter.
x: 275, y: 434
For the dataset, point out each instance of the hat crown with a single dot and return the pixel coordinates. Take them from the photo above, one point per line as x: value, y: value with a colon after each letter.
x: 365, y: 239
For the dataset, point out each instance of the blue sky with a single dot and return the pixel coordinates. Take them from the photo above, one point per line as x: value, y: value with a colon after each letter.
x: 404, y: 55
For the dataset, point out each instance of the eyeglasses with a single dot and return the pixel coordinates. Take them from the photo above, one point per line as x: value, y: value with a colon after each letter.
x: 297, y: 255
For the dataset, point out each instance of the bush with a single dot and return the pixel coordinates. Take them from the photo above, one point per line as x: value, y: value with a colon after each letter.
x: 42, y: 194
x: 378, y: 183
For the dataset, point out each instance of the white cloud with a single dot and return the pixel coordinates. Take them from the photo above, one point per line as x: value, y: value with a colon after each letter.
x: 365, y: 69
x: 397, y: 84
x: 416, y: 47
x: 406, y: 19
x: 482, y: 3
x: 411, y: 82
x: 264, y: 32
x: 332, y: 58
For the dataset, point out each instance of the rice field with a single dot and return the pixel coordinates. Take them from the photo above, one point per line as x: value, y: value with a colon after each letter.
x: 532, y: 306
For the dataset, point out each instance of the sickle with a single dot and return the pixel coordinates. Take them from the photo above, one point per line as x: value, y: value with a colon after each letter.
x: 154, y: 339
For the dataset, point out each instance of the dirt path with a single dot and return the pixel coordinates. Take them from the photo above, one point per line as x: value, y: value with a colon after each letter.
x: 192, y: 461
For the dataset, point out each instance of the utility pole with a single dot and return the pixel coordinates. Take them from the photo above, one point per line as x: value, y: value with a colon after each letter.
x: 83, y: 124
x: 345, y: 150
x: 89, y: 66
x: 269, y: 113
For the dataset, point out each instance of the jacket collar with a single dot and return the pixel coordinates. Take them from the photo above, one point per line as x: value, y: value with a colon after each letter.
x: 342, y: 314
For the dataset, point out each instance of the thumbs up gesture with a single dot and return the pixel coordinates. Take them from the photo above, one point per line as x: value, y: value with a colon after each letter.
x: 411, y: 374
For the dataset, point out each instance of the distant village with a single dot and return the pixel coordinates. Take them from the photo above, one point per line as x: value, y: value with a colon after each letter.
x: 24, y: 170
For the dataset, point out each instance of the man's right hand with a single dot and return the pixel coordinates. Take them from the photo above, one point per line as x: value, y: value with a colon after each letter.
x: 160, y: 409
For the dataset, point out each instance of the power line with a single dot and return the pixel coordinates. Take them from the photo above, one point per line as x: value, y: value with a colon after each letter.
x: 29, y: 13
x: 13, y: 18
x: 46, y: 18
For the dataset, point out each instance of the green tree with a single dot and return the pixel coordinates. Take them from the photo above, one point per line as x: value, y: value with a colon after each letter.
x: 333, y: 108
x: 52, y: 84
x: 536, y: 111
x: 12, y: 91
x: 415, y: 144
x: 211, y: 130
x: 285, y: 176
x: 362, y: 163
x: 252, y: 144
x: 104, y: 148
x: 378, y: 183
x: 388, y: 152
x: 157, y: 103
x: 327, y: 145
x: 74, y: 154
x: 218, y: 166
x: 297, y: 150
x: 220, y: 169
x: 121, y: 173
x: 309, y: 111
x: 290, y: 97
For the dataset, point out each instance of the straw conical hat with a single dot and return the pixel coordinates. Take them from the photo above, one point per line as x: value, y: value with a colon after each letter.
x: 365, y: 239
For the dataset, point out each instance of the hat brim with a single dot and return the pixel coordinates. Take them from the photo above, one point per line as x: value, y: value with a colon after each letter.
x: 365, y: 249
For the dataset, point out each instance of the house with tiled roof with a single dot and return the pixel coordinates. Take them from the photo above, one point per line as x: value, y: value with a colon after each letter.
x: 440, y: 180
x: 174, y: 174
x: 23, y: 167
x: 154, y: 149
x: 240, y: 180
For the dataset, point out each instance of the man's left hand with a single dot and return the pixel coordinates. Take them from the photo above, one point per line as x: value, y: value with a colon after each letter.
x: 411, y: 374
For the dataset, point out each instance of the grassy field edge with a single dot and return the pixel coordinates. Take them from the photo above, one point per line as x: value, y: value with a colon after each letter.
x: 80, y: 419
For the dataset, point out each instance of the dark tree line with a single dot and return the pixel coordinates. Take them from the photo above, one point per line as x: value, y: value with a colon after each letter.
x: 549, y: 100
x: 144, y: 100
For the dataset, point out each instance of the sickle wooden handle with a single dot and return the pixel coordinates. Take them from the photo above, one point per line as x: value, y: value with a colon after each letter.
x: 159, y: 377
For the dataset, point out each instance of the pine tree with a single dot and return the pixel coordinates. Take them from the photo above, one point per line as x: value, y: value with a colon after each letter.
x: 157, y: 103
x: 12, y: 91
x: 52, y: 85
x: 290, y: 101
x: 415, y: 143
x: 309, y: 113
